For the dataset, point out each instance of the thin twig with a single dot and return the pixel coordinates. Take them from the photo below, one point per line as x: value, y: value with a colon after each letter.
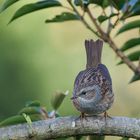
x: 109, y: 28
x: 117, y: 20
x: 120, y: 54
x: 112, y: 44
x: 94, y: 21
x: 82, y: 19
x: 104, y: 12
x: 101, y: 34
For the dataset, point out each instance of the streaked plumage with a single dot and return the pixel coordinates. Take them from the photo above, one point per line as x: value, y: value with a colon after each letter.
x: 92, y: 92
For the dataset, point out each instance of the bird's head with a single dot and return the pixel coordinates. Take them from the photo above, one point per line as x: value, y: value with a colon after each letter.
x: 87, y: 93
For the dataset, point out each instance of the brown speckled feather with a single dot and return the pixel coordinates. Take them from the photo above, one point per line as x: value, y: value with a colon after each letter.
x: 93, y: 86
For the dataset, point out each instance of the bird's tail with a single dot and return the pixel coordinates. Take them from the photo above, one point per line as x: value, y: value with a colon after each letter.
x: 94, y: 52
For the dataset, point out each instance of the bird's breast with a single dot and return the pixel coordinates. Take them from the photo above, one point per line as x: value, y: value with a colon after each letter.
x: 93, y: 106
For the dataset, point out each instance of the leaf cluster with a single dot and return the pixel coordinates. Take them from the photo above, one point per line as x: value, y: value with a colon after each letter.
x: 120, y: 10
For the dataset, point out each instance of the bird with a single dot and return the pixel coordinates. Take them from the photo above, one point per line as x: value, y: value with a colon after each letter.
x: 93, y: 93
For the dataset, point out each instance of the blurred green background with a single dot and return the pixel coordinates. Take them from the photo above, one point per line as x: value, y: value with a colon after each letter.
x: 36, y: 59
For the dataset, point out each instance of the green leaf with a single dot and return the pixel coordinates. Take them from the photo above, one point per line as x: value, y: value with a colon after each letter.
x: 12, y: 120
x: 7, y: 3
x: 29, y: 8
x: 105, y: 3
x: 57, y: 99
x: 78, y: 2
x: 35, y: 103
x: 136, y: 7
x: 102, y: 3
x: 104, y: 18
x: 27, y: 118
x: 129, y: 26
x: 118, y: 4
x: 65, y: 16
x: 130, y: 44
x: 30, y: 110
x: 19, y: 119
x: 133, y: 57
x: 136, y: 77
x: 132, y: 11
x: 135, y: 10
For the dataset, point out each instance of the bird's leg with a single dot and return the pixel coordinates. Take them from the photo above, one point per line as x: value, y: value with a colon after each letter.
x: 106, y: 115
x: 82, y: 116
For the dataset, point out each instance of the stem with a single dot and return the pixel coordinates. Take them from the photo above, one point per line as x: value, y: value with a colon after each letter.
x: 94, y: 22
x: 110, y: 26
x: 82, y: 19
x: 122, y: 56
x: 117, y: 21
x: 112, y: 44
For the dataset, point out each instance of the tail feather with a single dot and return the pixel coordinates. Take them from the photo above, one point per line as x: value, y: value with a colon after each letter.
x: 94, y: 52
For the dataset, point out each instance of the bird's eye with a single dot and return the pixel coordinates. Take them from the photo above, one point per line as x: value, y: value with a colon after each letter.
x: 83, y: 93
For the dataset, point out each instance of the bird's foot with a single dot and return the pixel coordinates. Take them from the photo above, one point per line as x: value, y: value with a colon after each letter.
x: 106, y: 116
x: 82, y: 116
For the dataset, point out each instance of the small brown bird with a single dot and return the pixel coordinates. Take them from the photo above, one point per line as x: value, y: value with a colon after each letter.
x: 92, y: 92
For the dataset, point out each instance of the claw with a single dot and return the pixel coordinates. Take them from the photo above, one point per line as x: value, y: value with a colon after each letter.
x: 82, y: 117
x: 107, y: 116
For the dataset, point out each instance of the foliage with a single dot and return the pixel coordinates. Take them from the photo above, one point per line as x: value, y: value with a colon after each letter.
x: 57, y: 99
x: 120, y: 11
x: 65, y: 16
x: 33, y: 111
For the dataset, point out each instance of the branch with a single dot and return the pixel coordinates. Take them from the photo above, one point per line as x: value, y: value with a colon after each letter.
x: 105, y: 37
x: 120, y: 54
x: 82, y: 19
x: 71, y: 126
x: 112, y: 44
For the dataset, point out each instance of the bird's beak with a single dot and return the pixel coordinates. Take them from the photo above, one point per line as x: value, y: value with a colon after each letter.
x: 74, y: 97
